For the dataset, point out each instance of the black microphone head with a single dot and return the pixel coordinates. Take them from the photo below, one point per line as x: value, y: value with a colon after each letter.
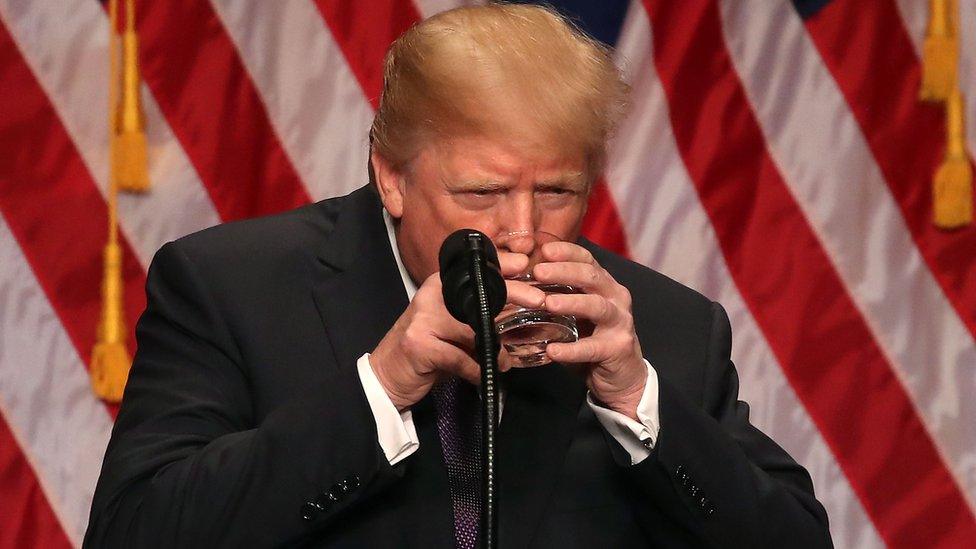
x: 461, y: 241
x: 457, y: 252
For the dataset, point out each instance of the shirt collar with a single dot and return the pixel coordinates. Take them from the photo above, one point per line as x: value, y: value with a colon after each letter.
x: 408, y: 283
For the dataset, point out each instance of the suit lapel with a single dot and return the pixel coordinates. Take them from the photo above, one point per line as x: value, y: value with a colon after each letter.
x: 360, y: 295
x: 538, y: 423
x: 358, y: 291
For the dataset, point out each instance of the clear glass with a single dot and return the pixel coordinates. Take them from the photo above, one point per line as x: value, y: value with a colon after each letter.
x: 524, y: 332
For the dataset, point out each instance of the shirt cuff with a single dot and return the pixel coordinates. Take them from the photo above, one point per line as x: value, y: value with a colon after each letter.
x: 395, y: 430
x: 636, y: 437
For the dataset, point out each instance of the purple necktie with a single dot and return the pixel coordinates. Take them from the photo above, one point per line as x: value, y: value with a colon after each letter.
x: 459, y: 427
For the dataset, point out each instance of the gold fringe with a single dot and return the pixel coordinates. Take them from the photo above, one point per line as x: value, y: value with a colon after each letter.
x: 110, y: 358
x: 940, y: 53
x: 129, y: 162
x: 952, y: 191
x: 110, y: 370
x: 129, y: 159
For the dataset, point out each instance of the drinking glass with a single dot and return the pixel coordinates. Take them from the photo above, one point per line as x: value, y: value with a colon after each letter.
x: 523, y: 331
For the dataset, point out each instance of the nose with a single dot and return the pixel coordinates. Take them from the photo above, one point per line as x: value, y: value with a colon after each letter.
x: 520, y: 224
x: 520, y: 242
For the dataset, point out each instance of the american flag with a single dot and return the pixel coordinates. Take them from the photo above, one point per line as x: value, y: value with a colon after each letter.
x: 776, y: 158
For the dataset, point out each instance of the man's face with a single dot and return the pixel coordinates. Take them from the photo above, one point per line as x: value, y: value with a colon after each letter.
x: 486, y: 185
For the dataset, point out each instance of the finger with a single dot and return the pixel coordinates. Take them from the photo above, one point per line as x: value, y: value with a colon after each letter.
x: 431, y: 284
x: 439, y: 324
x: 587, y: 350
x: 459, y: 363
x: 505, y: 361
x: 566, y: 251
x: 429, y: 294
x: 587, y: 277
x: 512, y: 263
x: 453, y: 332
x: 431, y: 312
x: 595, y: 308
x: 524, y: 295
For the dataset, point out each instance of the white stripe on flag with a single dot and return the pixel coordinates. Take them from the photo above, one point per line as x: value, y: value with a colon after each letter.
x: 66, y: 45
x: 665, y: 225
x: 426, y: 8
x: 45, y: 395
x: 313, y: 100
x: 817, y: 145
x: 967, y: 67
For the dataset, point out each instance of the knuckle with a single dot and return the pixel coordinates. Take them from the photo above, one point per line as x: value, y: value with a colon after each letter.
x: 626, y: 340
x: 628, y: 325
x: 626, y: 298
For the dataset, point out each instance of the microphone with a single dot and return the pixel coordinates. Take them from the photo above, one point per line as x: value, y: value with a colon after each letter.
x: 460, y: 252
x: 474, y: 293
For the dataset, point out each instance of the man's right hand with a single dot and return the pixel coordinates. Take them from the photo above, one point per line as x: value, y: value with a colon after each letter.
x: 426, y: 342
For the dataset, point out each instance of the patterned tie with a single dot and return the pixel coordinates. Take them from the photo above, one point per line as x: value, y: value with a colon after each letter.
x: 459, y: 427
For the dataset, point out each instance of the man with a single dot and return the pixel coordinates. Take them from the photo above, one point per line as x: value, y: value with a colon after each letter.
x: 299, y: 381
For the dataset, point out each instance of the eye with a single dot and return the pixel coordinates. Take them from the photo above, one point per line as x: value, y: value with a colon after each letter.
x: 478, y: 198
x: 557, y: 191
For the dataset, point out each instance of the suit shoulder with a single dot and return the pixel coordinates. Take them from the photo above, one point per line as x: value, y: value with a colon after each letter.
x: 652, y: 291
x: 263, y: 239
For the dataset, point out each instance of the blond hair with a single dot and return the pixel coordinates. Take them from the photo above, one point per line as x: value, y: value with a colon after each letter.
x: 520, y: 73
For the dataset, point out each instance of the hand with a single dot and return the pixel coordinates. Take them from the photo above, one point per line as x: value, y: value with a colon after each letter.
x: 616, y: 373
x: 426, y: 342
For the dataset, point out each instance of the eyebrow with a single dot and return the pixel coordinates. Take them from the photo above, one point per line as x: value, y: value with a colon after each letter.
x: 572, y: 179
x: 476, y: 184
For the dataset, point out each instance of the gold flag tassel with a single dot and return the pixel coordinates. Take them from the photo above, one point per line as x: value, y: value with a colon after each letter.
x: 110, y: 360
x: 940, y: 52
x: 129, y: 163
x: 952, y: 192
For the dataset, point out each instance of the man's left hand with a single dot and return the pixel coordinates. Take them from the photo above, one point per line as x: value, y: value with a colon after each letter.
x: 616, y: 372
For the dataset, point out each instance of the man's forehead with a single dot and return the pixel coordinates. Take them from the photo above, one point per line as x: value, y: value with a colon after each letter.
x: 497, y: 158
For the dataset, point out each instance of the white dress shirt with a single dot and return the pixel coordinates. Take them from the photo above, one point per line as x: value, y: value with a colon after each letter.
x: 398, y: 436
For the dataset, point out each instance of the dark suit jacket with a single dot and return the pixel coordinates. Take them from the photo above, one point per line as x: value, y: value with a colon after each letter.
x: 244, y: 404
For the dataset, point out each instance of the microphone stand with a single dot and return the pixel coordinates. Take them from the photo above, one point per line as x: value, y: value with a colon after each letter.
x: 486, y: 348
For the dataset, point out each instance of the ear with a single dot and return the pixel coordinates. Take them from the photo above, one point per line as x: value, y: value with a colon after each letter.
x: 389, y: 183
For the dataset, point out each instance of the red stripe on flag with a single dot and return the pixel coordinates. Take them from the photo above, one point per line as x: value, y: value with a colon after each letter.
x: 365, y: 34
x: 789, y: 284
x: 26, y: 518
x: 602, y: 222
x: 215, y: 111
x: 868, y: 50
x: 53, y: 207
